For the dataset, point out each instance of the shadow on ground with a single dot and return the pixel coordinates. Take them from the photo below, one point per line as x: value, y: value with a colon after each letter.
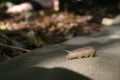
x: 39, y: 73
x: 49, y: 63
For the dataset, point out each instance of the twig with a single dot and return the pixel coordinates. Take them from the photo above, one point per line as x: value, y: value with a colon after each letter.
x: 14, y: 47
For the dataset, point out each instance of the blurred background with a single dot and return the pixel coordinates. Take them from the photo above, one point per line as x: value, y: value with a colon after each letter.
x: 28, y: 30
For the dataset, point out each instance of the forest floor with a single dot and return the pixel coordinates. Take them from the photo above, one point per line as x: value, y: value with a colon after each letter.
x: 21, y: 33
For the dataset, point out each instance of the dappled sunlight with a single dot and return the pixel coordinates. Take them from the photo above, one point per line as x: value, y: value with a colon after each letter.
x: 29, y: 30
x: 104, y: 66
x: 53, y: 45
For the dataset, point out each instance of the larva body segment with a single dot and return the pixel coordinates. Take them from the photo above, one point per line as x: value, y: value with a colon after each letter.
x: 81, y: 53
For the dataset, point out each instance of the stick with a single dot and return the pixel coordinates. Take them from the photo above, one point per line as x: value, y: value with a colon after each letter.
x: 22, y: 49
